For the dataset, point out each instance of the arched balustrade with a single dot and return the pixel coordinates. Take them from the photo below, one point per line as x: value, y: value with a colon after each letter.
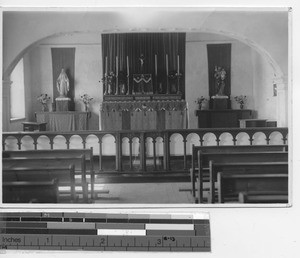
x: 144, y: 150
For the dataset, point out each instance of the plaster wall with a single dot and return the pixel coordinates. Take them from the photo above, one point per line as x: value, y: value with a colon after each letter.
x: 265, y: 101
x: 268, y: 30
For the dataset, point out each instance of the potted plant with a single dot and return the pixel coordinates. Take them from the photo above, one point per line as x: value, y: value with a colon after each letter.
x: 86, y: 99
x: 241, y: 100
x: 200, y: 101
x: 43, y: 99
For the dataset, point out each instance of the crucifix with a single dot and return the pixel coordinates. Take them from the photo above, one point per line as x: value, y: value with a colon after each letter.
x: 142, y: 58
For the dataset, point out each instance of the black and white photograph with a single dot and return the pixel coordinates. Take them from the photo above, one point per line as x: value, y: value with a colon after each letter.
x: 148, y: 126
x: 114, y: 106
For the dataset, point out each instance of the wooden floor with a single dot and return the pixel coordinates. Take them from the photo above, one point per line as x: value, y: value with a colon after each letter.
x: 145, y: 193
x: 139, y: 193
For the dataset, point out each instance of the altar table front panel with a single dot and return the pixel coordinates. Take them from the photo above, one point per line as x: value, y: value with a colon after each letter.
x: 64, y: 121
x: 227, y: 118
x: 143, y: 115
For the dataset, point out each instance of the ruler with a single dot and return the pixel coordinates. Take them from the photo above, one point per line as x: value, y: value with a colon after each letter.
x: 105, y: 232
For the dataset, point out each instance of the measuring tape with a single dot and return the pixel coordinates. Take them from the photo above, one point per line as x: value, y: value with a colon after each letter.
x: 105, y: 232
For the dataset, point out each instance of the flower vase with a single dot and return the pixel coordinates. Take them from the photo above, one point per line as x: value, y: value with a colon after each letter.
x: 241, y: 106
x: 200, y: 106
x: 45, y: 107
x: 86, y: 108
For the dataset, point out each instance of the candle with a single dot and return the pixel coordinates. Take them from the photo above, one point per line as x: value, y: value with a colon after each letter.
x: 177, y: 64
x: 167, y: 65
x: 156, y: 65
x: 106, y: 66
x: 117, y: 66
x: 127, y: 66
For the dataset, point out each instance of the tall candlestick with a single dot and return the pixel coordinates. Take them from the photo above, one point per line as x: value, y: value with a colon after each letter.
x: 127, y: 66
x: 155, y: 65
x: 106, y: 66
x: 117, y: 66
x: 177, y: 64
x: 167, y: 65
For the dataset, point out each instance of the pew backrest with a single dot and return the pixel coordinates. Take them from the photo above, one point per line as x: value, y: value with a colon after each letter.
x: 263, y: 169
x: 48, y: 162
x: 30, y: 192
x: 233, y: 157
x: 242, y: 157
x: 65, y: 176
x: 61, y: 153
x: 265, y: 186
x: 235, y: 148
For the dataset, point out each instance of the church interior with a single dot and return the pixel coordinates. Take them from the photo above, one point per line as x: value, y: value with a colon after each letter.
x: 145, y: 105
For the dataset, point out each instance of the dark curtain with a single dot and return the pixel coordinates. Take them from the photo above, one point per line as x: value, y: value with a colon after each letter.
x: 64, y: 58
x: 219, y: 55
x: 134, y: 45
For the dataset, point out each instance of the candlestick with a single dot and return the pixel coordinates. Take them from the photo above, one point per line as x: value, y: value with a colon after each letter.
x: 117, y: 66
x: 105, y: 66
x: 167, y: 65
x: 155, y: 65
x: 117, y: 80
x: 178, y: 64
x: 127, y: 66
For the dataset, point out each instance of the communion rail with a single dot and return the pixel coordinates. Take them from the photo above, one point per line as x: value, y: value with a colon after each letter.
x: 142, y: 151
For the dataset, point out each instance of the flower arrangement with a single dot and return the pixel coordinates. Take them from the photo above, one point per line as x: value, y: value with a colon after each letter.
x: 86, y: 99
x: 174, y: 75
x: 43, y: 98
x: 108, y: 78
x: 108, y: 81
x: 241, y: 100
x: 200, y: 101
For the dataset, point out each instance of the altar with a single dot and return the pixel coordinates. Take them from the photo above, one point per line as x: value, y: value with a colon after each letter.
x: 143, y: 115
x: 64, y: 121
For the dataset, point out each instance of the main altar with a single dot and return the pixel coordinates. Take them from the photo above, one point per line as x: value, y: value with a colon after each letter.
x: 144, y: 97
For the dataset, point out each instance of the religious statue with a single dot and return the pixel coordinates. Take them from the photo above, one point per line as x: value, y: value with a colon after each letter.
x: 62, y: 84
x: 220, y: 75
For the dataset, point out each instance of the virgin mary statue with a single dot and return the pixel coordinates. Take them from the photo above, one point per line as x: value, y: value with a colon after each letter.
x: 62, y: 84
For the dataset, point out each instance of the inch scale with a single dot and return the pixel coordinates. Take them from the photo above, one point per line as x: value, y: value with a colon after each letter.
x: 105, y: 232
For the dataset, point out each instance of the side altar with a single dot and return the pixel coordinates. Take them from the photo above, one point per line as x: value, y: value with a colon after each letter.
x: 220, y: 114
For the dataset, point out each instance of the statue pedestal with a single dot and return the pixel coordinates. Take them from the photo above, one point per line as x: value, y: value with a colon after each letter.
x: 62, y: 104
x: 220, y: 102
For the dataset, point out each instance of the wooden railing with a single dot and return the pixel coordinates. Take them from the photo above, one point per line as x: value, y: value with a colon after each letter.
x: 142, y: 151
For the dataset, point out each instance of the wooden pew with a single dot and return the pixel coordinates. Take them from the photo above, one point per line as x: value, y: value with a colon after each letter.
x: 65, y: 176
x: 253, y: 188
x: 259, y: 168
x: 233, y: 157
x: 129, y: 177
x: 30, y: 192
x: 63, y: 153
x: 228, y: 149
x: 78, y: 161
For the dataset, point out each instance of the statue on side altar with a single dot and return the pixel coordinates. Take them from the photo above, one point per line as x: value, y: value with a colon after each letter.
x: 62, y: 84
x: 220, y: 75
